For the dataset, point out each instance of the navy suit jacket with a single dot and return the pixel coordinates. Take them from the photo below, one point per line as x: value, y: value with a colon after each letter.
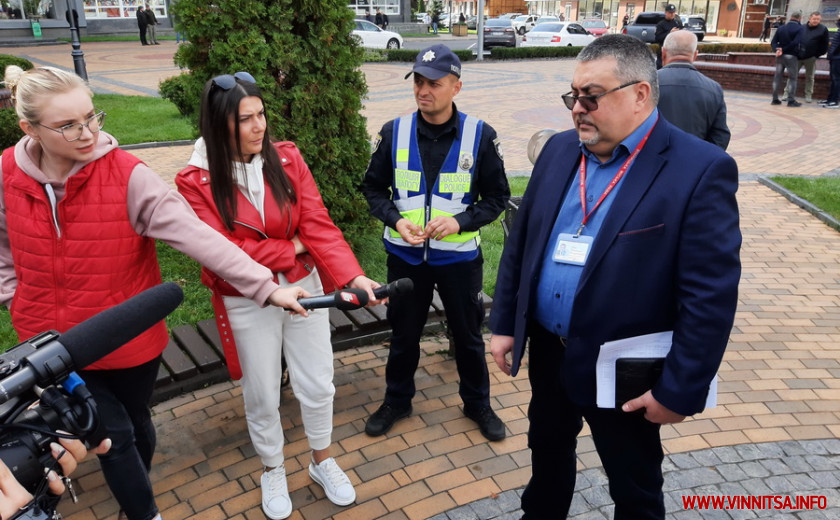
x: 666, y: 258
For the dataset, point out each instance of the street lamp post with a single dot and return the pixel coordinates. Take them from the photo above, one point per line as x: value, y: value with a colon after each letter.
x: 479, y: 28
x: 75, y: 42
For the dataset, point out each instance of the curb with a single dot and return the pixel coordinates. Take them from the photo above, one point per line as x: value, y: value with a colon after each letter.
x: 827, y: 219
x: 157, y: 144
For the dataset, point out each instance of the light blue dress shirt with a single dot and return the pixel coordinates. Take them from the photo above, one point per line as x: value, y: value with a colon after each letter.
x: 558, y: 281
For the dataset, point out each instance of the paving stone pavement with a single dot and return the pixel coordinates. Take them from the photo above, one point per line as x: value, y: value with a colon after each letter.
x: 774, y: 431
x: 789, y: 468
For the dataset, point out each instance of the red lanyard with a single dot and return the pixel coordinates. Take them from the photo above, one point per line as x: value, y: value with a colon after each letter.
x: 611, y: 185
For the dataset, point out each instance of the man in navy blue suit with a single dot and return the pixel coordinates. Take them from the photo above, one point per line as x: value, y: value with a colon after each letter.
x: 646, y: 220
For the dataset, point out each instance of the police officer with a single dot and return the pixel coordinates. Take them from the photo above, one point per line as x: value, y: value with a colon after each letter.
x: 435, y: 177
x: 666, y: 26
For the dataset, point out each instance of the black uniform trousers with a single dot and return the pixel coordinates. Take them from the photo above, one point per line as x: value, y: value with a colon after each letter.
x: 459, y: 286
x: 628, y: 445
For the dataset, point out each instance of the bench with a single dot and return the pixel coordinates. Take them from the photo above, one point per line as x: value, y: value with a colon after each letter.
x: 194, y: 359
x: 6, y: 98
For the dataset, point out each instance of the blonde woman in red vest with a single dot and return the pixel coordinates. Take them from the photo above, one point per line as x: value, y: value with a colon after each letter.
x: 262, y: 196
x: 78, y: 219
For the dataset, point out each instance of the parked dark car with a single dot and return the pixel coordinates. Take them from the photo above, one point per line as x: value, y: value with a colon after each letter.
x: 472, y: 22
x: 499, y: 31
x: 644, y: 27
x: 695, y: 24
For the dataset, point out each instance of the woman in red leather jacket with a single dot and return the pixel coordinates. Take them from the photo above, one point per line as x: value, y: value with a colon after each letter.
x: 262, y: 196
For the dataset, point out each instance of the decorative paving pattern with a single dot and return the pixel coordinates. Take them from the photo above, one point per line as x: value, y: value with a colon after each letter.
x: 785, y: 469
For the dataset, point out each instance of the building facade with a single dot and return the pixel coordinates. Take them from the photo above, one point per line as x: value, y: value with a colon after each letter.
x: 93, y: 16
x: 735, y: 17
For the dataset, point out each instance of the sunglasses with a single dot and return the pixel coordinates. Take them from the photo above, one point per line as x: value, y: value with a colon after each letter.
x: 227, y: 81
x: 590, y: 102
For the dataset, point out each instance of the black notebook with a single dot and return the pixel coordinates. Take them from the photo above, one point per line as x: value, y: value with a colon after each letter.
x: 634, y: 377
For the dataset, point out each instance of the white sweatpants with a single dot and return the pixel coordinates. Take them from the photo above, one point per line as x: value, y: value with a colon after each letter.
x: 262, y: 334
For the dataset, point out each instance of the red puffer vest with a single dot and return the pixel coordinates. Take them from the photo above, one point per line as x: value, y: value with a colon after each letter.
x: 90, y: 261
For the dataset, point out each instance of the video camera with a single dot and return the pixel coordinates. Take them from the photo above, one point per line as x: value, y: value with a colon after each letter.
x: 40, y: 393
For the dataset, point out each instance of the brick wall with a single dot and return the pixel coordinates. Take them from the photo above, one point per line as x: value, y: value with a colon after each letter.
x: 753, y: 72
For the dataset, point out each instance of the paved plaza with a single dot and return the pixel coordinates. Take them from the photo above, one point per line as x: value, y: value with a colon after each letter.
x: 774, y: 432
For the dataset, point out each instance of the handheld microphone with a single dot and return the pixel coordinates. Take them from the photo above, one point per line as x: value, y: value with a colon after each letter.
x: 343, y: 300
x: 91, y: 339
x: 395, y: 288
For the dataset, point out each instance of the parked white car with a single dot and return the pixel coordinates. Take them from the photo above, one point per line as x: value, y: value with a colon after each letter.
x: 557, y: 34
x: 373, y: 37
x: 524, y: 23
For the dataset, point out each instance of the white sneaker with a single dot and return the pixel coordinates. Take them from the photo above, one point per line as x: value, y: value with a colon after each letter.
x: 276, y: 503
x: 335, y: 483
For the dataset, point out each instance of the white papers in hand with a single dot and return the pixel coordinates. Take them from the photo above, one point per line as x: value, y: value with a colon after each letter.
x: 654, y: 345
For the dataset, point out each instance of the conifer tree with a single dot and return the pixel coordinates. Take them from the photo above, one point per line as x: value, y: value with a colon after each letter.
x: 308, y: 68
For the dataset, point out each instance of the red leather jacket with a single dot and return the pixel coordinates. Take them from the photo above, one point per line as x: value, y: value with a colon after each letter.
x: 270, y: 243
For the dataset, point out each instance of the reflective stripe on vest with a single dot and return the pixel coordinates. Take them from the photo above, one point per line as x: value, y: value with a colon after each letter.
x: 451, y: 192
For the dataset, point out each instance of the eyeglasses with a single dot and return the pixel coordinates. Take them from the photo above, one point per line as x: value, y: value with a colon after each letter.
x: 590, y: 103
x: 73, y: 131
x: 227, y: 81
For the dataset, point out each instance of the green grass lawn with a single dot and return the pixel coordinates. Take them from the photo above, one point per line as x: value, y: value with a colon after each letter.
x: 141, y: 119
x: 823, y: 192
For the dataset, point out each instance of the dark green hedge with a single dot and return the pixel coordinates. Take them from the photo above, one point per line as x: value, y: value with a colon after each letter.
x: 518, y: 53
x: 307, y: 65
x: 409, y: 55
x: 10, y: 132
x: 6, y: 60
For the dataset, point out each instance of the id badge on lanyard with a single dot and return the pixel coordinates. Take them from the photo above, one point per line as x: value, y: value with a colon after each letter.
x: 572, y: 249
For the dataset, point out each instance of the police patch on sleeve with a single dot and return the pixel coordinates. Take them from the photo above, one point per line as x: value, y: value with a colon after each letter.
x: 497, y: 144
x: 374, y: 145
x: 465, y: 161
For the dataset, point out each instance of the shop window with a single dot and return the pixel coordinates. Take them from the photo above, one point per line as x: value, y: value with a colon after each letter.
x: 103, y: 9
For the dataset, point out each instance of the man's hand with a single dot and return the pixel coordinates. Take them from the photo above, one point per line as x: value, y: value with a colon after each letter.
x: 778, y: 52
x: 501, y: 347
x: 287, y: 297
x: 366, y: 284
x: 410, y: 232
x: 441, y: 227
x: 655, y: 412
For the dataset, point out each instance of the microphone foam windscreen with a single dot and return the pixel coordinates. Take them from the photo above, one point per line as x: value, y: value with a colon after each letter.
x: 402, y: 286
x: 105, y: 332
